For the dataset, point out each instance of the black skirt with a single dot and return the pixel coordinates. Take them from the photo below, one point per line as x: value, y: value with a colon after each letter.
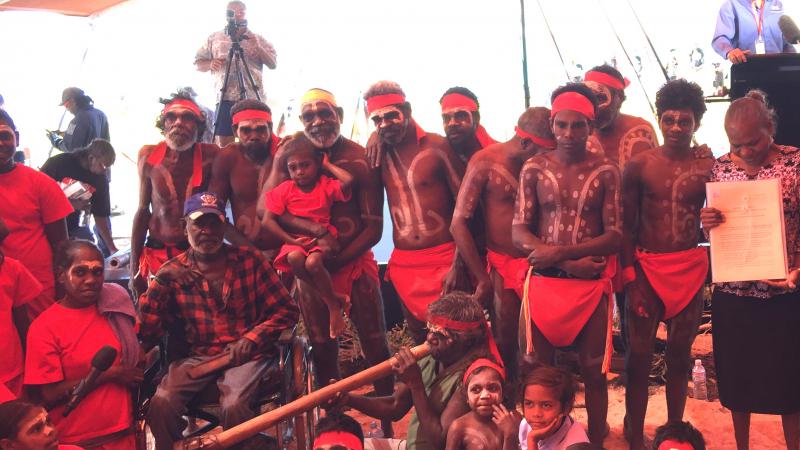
x: 757, y: 352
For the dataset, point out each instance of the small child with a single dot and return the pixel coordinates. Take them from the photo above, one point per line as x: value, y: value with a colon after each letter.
x: 489, y: 425
x: 309, y: 195
x: 678, y: 436
x: 547, y: 399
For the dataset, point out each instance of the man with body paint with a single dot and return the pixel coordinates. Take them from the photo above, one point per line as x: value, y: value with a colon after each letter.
x: 664, y: 269
x: 169, y: 173
x: 353, y: 267
x: 421, y: 173
x: 491, y: 182
x: 618, y: 136
x: 462, y: 122
x: 568, y: 220
x: 240, y: 172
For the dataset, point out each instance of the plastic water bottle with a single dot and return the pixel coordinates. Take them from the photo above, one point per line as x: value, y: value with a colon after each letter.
x: 699, y: 381
x: 374, y: 431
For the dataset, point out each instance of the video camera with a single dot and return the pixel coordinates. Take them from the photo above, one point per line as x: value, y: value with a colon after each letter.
x: 233, y: 27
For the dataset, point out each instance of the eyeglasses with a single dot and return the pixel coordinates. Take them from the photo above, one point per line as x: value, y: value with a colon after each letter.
x: 323, y: 114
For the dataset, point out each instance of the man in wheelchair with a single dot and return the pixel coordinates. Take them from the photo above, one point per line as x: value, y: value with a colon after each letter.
x: 232, y: 308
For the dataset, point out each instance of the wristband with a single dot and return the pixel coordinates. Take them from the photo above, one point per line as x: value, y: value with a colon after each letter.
x: 628, y: 275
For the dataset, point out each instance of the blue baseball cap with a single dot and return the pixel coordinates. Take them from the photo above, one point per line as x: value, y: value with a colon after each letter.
x: 203, y: 203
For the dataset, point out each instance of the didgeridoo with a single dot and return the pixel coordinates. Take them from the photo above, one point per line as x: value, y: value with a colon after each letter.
x: 244, y: 430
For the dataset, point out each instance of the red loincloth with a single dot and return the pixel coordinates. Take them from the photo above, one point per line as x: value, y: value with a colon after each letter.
x: 511, y: 269
x: 675, y: 277
x: 344, y: 278
x: 152, y: 259
x: 560, y: 307
x: 417, y: 275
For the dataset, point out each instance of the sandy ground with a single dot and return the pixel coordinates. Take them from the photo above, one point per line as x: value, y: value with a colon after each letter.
x: 710, y: 417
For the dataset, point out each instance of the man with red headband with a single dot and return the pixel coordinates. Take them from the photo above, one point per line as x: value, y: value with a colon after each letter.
x: 568, y: 219
x: 491, y: 182
x: 338, y: 432
x: 665, y: 270
x: 457, y: 335
x: 169, y: 173
x: 240, y: 172
x: 421, y: 174
x: 353, y: 268
x: 462, y: 122
x: 618, y: 136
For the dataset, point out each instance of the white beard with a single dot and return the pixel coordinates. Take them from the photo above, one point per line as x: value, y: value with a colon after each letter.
x: 327, y: 143
x: 179, y: 147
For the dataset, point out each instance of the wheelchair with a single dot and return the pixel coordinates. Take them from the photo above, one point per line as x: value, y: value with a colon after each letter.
x: 290, y: 379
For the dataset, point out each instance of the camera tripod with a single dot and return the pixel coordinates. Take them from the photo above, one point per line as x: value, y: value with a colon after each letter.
x: 237, y: 64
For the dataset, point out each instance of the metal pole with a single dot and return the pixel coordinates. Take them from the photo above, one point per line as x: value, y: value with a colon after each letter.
x: 525, y: 85
x: 649, y: 42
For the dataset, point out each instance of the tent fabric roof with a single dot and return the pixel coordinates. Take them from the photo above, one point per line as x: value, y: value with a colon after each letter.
x: 83, y: 8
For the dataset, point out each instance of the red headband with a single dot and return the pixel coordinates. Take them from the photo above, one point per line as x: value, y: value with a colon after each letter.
x: 456, y: 325
x: 338, y: 438
x: 182, y: 103
x: 606, y: 80
x: 483, y: 362
x: 382, y: 101
x: 670, y: 444
x: 573, y: 101
x: 250, y: 114
x: 456, y: 100
x: 541, y: 142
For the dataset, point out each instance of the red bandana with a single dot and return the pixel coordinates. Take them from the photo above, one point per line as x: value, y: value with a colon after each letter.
x: 457, y: 325
x: 382, y: 101
x: 483, y: 362
x: 540, y: 141
x: 249, y: 114
x: 182, y: 103
x: 606, y: 80
x: 670, y: 444
x: 461, y: 101
x: 348, y: 440
x: 573, y: 101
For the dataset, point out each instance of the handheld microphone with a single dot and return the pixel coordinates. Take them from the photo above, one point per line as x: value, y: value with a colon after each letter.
x: 789, y: 29
x: 102, y: 360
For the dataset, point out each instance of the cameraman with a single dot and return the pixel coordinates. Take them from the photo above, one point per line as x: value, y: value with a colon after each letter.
x: 213, y: 56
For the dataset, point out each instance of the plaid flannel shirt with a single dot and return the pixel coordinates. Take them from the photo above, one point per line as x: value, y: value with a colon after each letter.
x: 254, y: 304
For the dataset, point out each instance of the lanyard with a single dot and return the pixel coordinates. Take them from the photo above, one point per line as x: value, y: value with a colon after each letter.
x: 758, y: 14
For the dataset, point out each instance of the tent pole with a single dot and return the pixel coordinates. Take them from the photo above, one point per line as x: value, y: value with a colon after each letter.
x: 525, y: 85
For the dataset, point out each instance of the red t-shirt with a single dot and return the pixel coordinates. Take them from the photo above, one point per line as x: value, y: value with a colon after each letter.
x: 61, y: 344
x: 5, y: 394
x: 314, y: 205
x: 17, y: 287
x: 31, y: 199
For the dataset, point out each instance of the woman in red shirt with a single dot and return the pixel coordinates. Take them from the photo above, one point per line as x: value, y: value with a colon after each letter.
x: 63, y: 340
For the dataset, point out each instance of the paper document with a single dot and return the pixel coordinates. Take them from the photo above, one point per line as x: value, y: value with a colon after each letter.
x: 750, y: 245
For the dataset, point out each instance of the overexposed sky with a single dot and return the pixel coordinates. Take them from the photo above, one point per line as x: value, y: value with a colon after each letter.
x: 128, y: 56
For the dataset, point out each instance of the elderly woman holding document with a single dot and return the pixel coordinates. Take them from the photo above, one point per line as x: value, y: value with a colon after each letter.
x: 757, y: 323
